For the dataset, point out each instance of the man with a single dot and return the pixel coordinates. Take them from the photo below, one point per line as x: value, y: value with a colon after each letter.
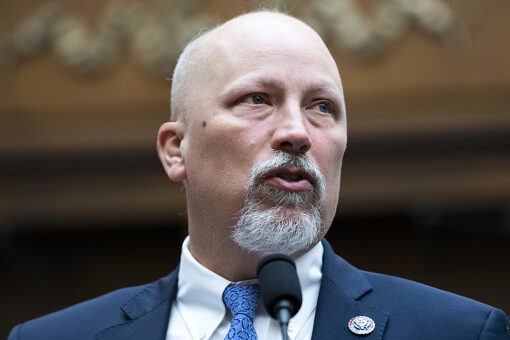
x: 257, y: 136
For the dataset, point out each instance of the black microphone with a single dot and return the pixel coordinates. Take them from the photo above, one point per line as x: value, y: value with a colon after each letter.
x: 280, y: 288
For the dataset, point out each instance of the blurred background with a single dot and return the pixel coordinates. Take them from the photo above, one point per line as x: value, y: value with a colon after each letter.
x: 85, y: 206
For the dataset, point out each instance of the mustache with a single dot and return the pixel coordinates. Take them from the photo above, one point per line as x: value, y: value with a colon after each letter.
x: 281, y: 159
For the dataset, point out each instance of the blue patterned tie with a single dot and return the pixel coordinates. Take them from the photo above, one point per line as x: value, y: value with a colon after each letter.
x: 242, y: 302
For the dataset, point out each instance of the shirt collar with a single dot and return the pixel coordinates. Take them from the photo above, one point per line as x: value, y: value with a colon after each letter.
x: 199, y: 295
x: 309, y: 270
x: 200, y: 290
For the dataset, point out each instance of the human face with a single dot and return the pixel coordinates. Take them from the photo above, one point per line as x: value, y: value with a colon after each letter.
x: 271, y: 85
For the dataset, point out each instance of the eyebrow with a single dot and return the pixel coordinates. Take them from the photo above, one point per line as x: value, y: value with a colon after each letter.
x: 326, y: 88
x: 249, y: 82
x: 256, y: 82
x: 274, y: 83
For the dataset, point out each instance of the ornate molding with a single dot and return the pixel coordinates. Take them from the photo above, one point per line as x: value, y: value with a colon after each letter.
x: 345, y: 24
x: 155, y: 39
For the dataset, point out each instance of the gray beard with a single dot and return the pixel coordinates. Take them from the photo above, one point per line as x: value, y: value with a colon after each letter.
x: 285, y: 227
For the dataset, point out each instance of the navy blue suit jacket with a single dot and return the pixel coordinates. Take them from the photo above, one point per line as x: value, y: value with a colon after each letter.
x: 401, y: 309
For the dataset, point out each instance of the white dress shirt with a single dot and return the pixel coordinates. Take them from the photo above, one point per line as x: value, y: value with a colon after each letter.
x: 199, y: 313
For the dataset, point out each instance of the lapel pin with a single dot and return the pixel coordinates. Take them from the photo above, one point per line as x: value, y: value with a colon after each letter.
x: 361, y: 325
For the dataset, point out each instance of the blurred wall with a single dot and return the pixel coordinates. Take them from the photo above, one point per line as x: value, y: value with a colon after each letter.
x: 85, y: 206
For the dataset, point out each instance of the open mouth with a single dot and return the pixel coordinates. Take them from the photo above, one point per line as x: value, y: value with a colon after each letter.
x: 290, y: 179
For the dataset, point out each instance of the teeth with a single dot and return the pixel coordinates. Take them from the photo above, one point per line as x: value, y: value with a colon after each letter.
x: 290, y: 177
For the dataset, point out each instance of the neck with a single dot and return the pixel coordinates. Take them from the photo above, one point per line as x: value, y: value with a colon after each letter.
x: 226, y: 259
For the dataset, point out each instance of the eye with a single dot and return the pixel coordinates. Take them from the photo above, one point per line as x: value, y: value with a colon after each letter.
x: 324, y: 107
x: 256, y: 99
x: 253, y: 99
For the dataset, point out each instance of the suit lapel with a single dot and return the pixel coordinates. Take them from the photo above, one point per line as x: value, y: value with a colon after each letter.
x: 147, y: 312
x: 340, y: 300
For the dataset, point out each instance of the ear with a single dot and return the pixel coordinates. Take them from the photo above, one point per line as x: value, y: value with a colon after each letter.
x: 170, y: 136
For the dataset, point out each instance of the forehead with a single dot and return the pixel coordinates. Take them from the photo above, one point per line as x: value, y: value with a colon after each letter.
x: 276, y: 50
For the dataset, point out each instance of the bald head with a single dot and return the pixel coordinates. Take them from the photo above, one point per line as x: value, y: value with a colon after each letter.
x: 215, y: 52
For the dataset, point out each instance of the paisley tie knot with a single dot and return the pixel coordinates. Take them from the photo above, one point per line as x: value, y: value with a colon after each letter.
x: 242, y: 302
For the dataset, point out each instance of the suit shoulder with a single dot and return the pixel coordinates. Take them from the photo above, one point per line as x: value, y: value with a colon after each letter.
x: 415, y: 303
x: 413, y: 310
x: 409, y: 291
x: 79, y: 321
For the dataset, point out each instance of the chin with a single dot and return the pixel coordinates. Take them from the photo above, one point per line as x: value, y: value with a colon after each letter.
x: 281, y: 229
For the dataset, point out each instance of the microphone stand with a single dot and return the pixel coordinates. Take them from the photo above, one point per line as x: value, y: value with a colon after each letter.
x: 283, y: 311
x: 285, y: 335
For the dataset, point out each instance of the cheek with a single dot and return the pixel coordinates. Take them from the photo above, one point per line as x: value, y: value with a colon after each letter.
x: 224, y: 153
x: 329, y: 152
x: 228, y: 146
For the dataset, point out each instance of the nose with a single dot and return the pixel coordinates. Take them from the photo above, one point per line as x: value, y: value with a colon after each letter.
x: 290, y: 132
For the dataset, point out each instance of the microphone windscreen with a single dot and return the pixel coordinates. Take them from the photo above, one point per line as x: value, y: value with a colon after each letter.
x: 278, y: 281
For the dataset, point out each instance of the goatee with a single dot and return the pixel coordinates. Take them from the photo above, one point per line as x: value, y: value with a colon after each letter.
x: 277, y: 221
